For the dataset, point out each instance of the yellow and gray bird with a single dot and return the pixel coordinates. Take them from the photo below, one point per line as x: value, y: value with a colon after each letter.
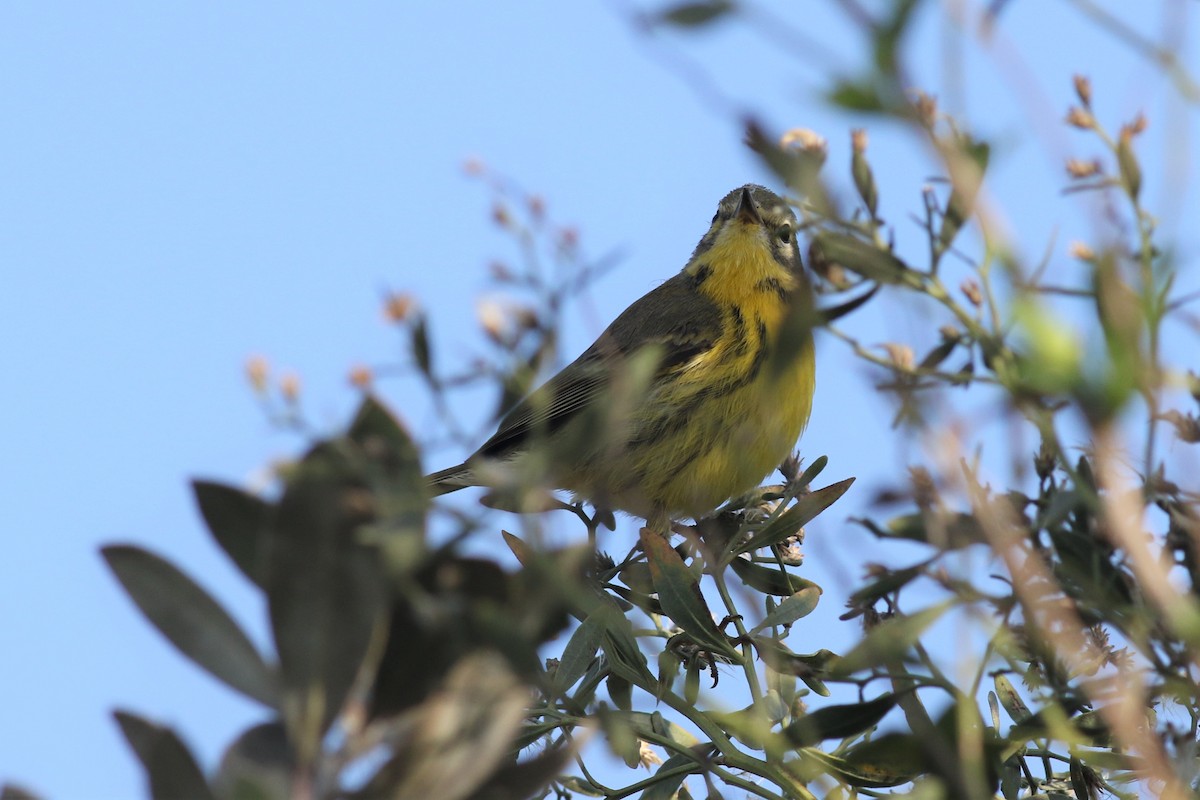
x: 693, y: 395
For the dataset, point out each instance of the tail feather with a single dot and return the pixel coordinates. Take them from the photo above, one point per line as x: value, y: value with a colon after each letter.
x: 449, y: 480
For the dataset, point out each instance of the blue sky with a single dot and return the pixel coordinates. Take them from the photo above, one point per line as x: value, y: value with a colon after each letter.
x: 184, y: 185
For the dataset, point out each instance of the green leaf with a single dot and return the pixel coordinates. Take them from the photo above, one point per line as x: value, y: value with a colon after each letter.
x: 325, y: 595
x: 856, y: 96
x: 805, y: 509
x: 679, y: 593
x: 579, y: 653
x: 862, y: 258
x: 839, y: 722
x: 891, y: 639
x: 888, y: 760
x: 171, y: 771
x: 949, y: 531
x: 809, y: 668
x: 620, y: 691
x: 621, y: 647
x: 670, y: 777
x: 695, y: 15
x: 799, y: 605
x: 257, y: 766
x: 238, y: 522
x: 1010, y: 698
x: 767, y: 580
x: 192, y: 621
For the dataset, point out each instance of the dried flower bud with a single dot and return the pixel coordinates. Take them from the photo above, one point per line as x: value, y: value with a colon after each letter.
x: 970, y: 288
x: 537, y: 207
x: 1187, y: 426
x: 501, y: 216
x: 924, y: 489
x: 1082, y: 251
x: 950, y: 333
x: 926, y: 108
x: 790, y: 468
x: 568, y: 238
x: 289, y: 387
x: 1131, y: 170
x: 858, y: 140
x: 492, y: 318
x: 500, y: 271
x: 1083, y: 90
x: 257, y: 372
x: 1080, y: 118
x: 1078, y: 168
x: 1044, y: 462
x: 804, y: 139
x: 1138, y: 125
x: 646, y: 755
x: 474, y: 166
x: 361, y: 377
x: 397, y: 306
x: 900, y: 354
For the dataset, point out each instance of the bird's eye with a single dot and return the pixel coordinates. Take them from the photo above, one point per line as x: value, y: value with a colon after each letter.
x: 784, y: 232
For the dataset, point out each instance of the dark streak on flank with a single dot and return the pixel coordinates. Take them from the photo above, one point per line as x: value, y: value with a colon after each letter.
x: 702, y: 273
x: 772, y: 285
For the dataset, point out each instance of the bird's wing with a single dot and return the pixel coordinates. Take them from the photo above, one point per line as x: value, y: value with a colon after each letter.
x: 674, y: 317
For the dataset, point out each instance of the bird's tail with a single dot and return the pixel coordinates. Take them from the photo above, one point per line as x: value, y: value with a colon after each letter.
x: 449, y: 480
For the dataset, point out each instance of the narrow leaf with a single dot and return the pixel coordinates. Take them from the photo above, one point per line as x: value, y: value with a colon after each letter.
x: 192, y: 621
x: 171, y: 771
x: 679, y: 592
x: 579, y: 653
x: 838, y: 722
x: 767, y: 580
x: 799, y: 605
x: 891, y: 640
x: 238, y: 522
x: 325, y: 596
x: 805, y: 509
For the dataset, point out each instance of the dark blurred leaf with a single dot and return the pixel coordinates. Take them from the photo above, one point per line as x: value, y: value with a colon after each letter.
x: 804, y: 510
x: 679, y: 592
x: 809, y: 668
x: 856, y: 96
x: 862, y: 258
x: 890, y: 640
x: 393, y: 470
x: 835, y: 313
x: 518, y: 781
x: 171, y: 771
x: 238, y: 522
x: 694, y: 15
x: 888, y: 760
x: 948, y: 531
x: 770, y: 580
x: 799, y: 605
x: 192, y: 621
x: 460, y: 737
x: 620, y: 691
x: 670, y: 776
x: 620, y: 646
x: 838, y: 722
x: 258, y: 765
x: 577, y: 656
x: 325, y: 594
x: 11, y: 791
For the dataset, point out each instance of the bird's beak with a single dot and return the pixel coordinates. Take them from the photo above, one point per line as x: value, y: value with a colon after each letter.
x: 747, y: 211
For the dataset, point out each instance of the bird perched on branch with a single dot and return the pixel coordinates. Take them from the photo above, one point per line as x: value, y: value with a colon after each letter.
x: 691, y: 396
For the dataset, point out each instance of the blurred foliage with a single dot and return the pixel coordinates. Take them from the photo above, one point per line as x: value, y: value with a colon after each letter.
x: 405, y: 667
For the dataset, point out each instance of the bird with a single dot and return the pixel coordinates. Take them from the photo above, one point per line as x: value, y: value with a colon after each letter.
x: 694, y: 393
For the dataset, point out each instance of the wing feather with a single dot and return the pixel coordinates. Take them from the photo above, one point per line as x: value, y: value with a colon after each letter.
x: 674, y: 317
